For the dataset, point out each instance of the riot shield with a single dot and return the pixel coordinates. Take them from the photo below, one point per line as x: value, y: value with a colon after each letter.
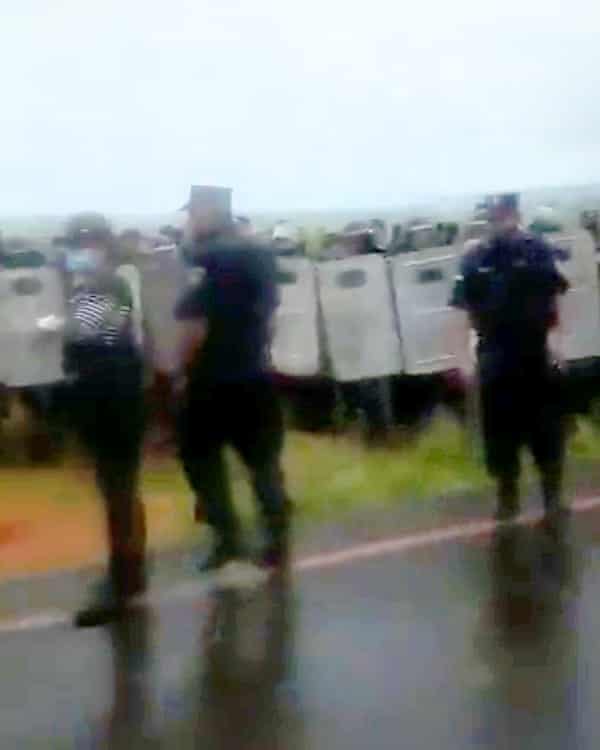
x: 30, y: 356
x: 431, y: 331
x: 162, y: 281
x: 295, y: 347
x: 359, y: 318
x: 578, y: 333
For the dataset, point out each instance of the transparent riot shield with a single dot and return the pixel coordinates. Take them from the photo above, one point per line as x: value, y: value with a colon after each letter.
x: 431, y: 331
x: 163, y: 279
x: 578, y: 333
x: 359, y: 318
x: 295, y: 347
x: 30, y: 356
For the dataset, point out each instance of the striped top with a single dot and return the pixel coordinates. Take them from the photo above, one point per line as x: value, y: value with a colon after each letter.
x: 101, y: 315
x: 98, y: 316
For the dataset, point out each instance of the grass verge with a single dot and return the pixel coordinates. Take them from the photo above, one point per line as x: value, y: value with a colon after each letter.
x: 50, y: 517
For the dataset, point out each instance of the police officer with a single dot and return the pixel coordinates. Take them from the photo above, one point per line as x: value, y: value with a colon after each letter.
x: 228, y: 396
x: 509, y: 286
x: 106, y: 403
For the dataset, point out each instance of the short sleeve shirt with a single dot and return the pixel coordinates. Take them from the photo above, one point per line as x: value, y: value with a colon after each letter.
x: 509, y: 287
x: 237, y: 297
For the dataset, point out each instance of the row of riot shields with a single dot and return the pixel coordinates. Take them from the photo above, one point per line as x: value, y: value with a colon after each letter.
x: 379, y: 317
x: 356, y: 318
x: 384, y: 316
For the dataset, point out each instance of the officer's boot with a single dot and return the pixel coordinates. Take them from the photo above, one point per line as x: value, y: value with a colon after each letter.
x: 276, y: 552
x: 508, y: 499
x: 226, y: 547
x: 208, y: 477
x: 219, y: 515
x: 277, y: 511
x: 551, y: 479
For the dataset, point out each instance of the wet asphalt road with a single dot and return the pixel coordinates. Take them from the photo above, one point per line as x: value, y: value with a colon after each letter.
x: 485, y: 643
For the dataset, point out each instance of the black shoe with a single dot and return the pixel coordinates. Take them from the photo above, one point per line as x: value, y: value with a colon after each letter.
x: 506, y: 514
x: 275, y: 555
x: 101, y: 613
x: 556, y: 518
x: 218, y: 558
x: 111, y: 602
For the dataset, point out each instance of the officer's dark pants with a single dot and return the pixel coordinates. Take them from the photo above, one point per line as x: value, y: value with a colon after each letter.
x: 246, y: 416
x: 524, y: 410
x: 373, y: 399
x: 108, y: 414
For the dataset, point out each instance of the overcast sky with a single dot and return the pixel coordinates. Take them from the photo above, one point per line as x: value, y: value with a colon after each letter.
x: 119, y: 105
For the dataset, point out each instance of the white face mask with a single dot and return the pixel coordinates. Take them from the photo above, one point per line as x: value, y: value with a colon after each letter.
x: 85, y: 260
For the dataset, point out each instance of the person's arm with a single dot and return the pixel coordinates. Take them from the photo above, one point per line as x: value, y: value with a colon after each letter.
x: 545, y: 261
x: 192, y: 335
x: 463, y: 332
x: 191, y: 313
x: 557, y: 286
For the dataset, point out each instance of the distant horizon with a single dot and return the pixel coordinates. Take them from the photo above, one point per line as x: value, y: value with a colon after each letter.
x: 415, y: 203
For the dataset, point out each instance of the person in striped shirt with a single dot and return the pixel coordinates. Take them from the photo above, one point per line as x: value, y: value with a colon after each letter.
x: 105, y: 369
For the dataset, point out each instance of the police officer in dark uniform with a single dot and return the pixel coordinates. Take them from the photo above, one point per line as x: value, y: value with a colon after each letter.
x: 509, y: 285
x: 104, y: 365
x: 228, y: 396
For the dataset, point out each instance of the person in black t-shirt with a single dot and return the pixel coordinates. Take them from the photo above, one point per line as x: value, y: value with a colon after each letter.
x: 228, y: 396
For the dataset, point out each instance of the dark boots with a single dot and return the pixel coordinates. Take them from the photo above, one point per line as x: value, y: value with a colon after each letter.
x: 127, y: 566
x: 274, y: 554
x: 225, y: 549
x: 508, y: 499
x: 113, y: 598
x: 508, y: 496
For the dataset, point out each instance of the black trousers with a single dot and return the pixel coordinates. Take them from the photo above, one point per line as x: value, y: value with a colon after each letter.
x: 523, y: 410
x: 247, y: 416
x: 107, y: 410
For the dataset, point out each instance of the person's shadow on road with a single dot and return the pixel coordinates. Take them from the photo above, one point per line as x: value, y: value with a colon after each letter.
x: 247, y: 693
x: 130, y: 722
x: 528, y: 638
x: 534, y: 575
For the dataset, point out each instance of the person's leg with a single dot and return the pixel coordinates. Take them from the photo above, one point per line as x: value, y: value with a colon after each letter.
x: 126, y: 525
x: 112, y: 430
x: 502, y: 445
x: 376, y: 405
x: 259, y: 440
x: 508, y: 502
x: 201, y: 455
x: 547, y: 445
x: 126, y: 531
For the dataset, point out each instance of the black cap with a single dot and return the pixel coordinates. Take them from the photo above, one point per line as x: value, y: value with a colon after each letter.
x: 503, y: 202
x: 216, y: 197
x: 87, y: 226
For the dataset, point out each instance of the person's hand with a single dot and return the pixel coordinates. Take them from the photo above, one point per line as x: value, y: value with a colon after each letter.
x: 51, y: 324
